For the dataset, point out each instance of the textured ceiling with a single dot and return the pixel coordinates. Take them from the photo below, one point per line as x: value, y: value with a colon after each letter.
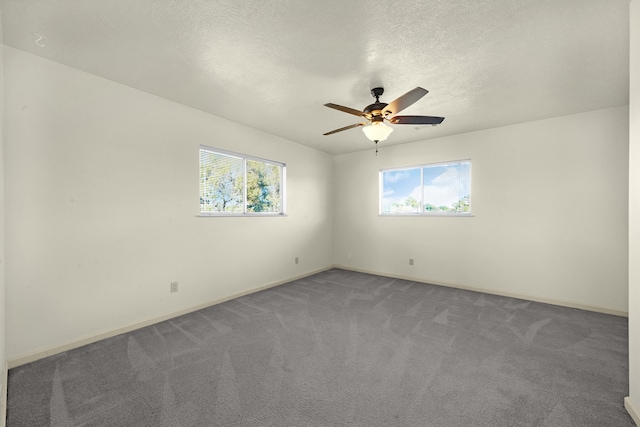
x: 272, y: 64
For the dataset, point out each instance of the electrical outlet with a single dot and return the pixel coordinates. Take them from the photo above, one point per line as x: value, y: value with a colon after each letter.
x: 348, y: 257
x: 174, y: 286
x: 410, y: 261
x: 297, y: 260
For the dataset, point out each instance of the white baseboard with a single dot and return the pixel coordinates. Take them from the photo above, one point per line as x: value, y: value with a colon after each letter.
x: 562, y: 303
x: 50, y: 351
x: 635, y: 415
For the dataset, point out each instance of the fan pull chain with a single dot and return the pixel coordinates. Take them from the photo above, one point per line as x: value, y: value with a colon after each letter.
x: 376, y: 148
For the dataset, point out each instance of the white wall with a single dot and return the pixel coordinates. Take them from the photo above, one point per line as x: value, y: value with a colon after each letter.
x: 633, y: 402
x: 549, y: 200
x: 101, y: 192
x: 3, y: 369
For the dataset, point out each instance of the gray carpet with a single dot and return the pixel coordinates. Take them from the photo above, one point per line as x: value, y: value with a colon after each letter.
x: 342, y: 349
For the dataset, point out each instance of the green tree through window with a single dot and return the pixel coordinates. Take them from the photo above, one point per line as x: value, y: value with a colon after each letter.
x: 221, y: 182
x: 263, y: 187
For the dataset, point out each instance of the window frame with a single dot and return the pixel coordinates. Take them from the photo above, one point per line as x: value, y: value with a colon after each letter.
x: 245, y: 158
x: 421, y: 210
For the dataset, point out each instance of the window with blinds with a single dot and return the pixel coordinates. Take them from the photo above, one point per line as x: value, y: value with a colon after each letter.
x: 235, y: 184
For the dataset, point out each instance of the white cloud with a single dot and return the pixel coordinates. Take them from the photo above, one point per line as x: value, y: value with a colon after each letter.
x: 395, y: 177
x: 448, y: 178
x: 443, y: 190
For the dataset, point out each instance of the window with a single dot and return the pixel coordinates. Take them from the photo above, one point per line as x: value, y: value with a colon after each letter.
x: 434, y: 189
x: 234, y: 184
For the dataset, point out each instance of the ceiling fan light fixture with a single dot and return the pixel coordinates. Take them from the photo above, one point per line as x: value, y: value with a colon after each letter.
x: 377, y: 131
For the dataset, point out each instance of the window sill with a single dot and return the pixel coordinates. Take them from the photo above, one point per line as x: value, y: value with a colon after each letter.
x: 417, y: 215
x: 241, y: 215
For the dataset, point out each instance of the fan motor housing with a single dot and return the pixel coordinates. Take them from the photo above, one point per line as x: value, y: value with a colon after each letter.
x: 375, y: 109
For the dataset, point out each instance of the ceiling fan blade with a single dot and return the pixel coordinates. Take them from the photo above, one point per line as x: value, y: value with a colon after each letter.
x: 345, y: 109
x: 345, y: 128
x: 416, y: 120
x: 404, y: 101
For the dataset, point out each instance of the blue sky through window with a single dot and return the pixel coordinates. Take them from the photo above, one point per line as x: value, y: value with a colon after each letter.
x: 398, y: 187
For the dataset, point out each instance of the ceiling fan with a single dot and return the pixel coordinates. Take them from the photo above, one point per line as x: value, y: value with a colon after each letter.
x: 376, y: 113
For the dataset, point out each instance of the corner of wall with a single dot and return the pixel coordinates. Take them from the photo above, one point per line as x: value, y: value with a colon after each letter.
x: 3, y: 375
x: 634, y: 211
